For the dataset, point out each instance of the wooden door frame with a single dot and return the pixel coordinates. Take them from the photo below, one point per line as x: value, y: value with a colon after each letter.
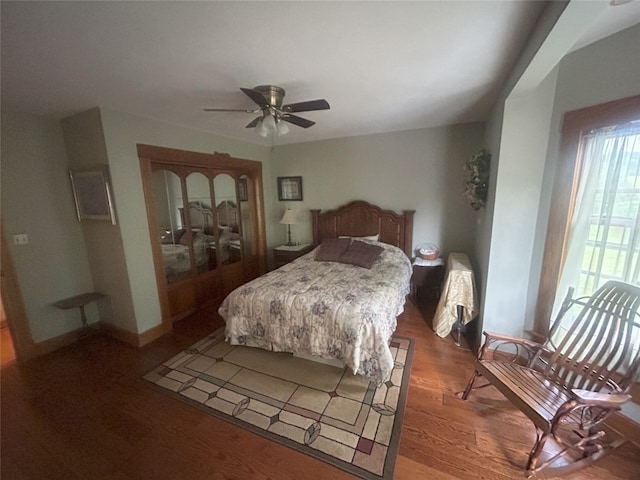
x: 565, y: 188
x: 17, y: 320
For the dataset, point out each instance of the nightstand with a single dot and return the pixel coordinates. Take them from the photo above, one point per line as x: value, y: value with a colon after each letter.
x: 427, y: 278
x: 285, y: 254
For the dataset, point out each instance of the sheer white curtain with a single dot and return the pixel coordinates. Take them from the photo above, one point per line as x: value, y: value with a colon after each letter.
x: 604, y: 236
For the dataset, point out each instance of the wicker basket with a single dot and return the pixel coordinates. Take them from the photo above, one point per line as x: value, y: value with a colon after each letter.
x: 428, y: 251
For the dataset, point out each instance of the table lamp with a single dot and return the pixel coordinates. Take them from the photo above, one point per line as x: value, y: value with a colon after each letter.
x: 288, y: 219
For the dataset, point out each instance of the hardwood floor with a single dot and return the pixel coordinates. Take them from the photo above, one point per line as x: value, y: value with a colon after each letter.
x: 83, y: 413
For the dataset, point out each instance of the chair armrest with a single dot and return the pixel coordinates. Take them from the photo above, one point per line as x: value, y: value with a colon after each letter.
x: 599, y: 399
x: 490, y: 337
x: 537, y: 336
x: 532, y: 348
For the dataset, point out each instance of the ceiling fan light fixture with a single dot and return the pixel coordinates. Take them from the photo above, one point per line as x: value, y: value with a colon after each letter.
x: 281, y: 127
x: 269, y: 122
x: 261, y: 128
x: 274, y: 116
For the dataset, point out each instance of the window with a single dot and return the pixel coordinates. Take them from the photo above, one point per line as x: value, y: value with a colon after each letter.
x: 594, y: 225
x: 604, y: 238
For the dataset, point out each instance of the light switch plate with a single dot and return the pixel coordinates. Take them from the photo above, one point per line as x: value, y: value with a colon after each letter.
x: 20, y: 239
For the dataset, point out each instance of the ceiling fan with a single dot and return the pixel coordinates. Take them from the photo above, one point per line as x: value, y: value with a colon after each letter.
x: 272, y: 113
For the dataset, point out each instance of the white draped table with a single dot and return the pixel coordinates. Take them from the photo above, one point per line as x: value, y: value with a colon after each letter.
x: 458, y: 303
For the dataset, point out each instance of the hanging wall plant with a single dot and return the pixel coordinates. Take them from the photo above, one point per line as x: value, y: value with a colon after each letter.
x: 477, y: 179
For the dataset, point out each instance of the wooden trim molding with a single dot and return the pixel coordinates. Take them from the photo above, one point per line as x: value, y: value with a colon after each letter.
x: 51, y: 344
x: 134, y: 339
x: 13, y: 303
x: 575, y: 124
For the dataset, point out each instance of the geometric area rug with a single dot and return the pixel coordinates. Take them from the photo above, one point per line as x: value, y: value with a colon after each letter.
x: 320, y: 410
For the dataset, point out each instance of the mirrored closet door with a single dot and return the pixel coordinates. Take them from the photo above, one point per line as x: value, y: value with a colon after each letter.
x: 206, y: 223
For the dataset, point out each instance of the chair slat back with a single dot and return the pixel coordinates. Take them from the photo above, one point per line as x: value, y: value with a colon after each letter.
x: 600, y: 345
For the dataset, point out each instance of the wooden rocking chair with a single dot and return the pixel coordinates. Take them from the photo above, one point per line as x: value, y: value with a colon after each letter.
x: 570, y: 383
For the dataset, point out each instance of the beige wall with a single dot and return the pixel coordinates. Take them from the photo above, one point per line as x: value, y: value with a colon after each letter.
x: 598, y: 73
x: 419, y: 170
x: 36, y: 199
x: 122, y: 133
x: 66, y: 258
x: 86, y: 149
x: 519, y: 182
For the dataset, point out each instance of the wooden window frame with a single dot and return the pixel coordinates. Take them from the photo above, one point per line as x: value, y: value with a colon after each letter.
x: 565, y: 188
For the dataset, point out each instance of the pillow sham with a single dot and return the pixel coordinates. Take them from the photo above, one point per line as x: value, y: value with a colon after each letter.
x: 370, y: 238
x: 331, y: 249
x: 361, y: 254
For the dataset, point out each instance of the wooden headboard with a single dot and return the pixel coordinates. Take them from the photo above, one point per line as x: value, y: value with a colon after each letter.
x: 359, y: 219
x: 201, y: 216
x: 228, y: 215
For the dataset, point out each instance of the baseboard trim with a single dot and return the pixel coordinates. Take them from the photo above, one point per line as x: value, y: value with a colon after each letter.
x: 626, y: 426
x: 152, y: 334
x: 134, y: 339
x: 53, y: 344
x: 119, y: 333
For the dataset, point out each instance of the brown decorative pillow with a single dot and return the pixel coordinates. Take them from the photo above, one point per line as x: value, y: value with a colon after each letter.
x: 166, y: 238
x: 331, y: 249
x: 185, y: 239
x: 361, y: 254
x: 169, y: 237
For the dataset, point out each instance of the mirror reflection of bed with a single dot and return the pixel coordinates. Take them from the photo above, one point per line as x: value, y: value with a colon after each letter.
x: 201, y: 220
x: 228, y: 232
x: 176, y: 241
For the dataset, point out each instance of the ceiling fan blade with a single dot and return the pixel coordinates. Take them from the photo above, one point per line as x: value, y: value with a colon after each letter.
x: 301, y: 122
x: 256, y: 96
x: 308, y: 106
x: 228, y: 110
x: 253, y: 122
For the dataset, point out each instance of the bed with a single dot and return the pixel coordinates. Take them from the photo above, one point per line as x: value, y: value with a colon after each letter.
x: 332, y: 309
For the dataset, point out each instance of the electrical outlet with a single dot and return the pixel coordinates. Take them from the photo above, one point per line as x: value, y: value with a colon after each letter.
x: 20, y: 239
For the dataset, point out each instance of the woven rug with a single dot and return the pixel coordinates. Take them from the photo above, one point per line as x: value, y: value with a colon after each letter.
x: 317, y: 409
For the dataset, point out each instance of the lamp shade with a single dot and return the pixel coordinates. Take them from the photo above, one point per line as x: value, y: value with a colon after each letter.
x: 282, y: 128
x: 269, y: 123
x: 289, y: 217
x: 261, y: 128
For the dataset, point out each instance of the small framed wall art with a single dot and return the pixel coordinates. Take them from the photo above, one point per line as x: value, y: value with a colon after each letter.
x: 92, y: 195
x: 290, y: 189
x: 243, y: 193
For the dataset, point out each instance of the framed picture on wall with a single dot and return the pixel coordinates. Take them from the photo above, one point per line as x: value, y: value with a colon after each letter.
x: 290, y: 188
x: 243, y: 193
x: 92, y: 195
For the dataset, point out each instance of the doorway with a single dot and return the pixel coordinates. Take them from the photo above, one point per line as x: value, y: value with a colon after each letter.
x: 7, y: 352
x: 17, y: 325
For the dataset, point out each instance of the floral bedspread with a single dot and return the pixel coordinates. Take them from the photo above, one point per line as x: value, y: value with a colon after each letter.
x: 329, y: 309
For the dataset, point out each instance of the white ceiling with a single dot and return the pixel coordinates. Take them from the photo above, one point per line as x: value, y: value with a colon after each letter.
x: 383, y: 66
